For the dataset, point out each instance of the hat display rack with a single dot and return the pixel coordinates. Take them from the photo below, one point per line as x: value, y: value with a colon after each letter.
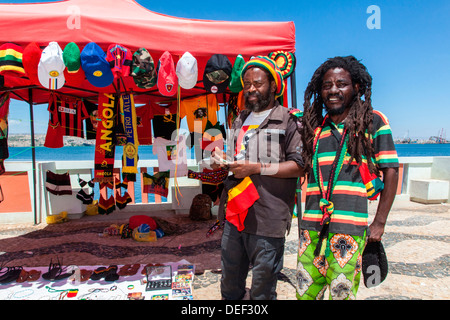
x: 86, y: 72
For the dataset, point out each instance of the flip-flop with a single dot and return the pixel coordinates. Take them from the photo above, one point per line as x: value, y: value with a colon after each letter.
x: 54, y: 272
x: 23, y: 276
x: 85, y: 275
x: 11, y: 275
x: 110, y: 273
x: 33, y: 275
x: 129, y: 270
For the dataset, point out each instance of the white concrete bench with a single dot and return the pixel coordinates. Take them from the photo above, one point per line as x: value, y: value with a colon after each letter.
x: 429, y: 191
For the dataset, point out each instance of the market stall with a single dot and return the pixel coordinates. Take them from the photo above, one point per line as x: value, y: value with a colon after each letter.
x: 96, y: 61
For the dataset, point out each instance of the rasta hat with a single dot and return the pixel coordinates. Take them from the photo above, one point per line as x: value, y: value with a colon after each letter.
x: 269, y: 65
x: 187, y: 71
x: 143, y: 69
x: 217, y: 73
x: 285, y: 61
x: 51, y: 67
x: 120, y: 59
x: 374, y: 264
x: 11, y: 59
x: 97, y: 69
x: 235, y: 82
x: 167, y: 78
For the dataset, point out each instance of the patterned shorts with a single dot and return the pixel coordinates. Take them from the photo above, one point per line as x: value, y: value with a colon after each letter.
x: 340, y: 271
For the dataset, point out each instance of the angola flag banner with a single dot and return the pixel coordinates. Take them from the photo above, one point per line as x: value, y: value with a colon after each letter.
x: 105, y: 146
x: 240, y: 199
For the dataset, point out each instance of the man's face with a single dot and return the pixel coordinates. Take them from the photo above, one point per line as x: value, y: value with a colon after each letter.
x: 337, y: 90
x: 258, y: 90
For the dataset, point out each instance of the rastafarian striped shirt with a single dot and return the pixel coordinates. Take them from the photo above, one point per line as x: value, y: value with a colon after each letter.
x: 349, y: 196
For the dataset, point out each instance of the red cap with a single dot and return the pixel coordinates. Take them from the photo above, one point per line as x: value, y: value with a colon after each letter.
x: 74, y: 79
x: 167, y: 77
x: 120, y: 59
x: 30, y: 59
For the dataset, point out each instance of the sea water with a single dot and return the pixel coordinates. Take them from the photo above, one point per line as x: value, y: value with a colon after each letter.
x: 146, y: 152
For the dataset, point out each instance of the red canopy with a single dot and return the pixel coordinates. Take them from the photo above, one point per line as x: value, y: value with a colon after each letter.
x: 127, y: 23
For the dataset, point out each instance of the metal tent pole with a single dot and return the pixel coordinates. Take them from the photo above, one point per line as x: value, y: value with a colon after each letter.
x: 299, y: 185
x: 293, y: 90
x: 33, y: 154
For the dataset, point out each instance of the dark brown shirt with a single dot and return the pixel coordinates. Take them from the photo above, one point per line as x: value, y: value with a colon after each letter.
x: 275, y: 140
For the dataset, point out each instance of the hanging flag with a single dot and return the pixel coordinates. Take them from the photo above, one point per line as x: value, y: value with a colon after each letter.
x: 130, y: 149
x: 240, y: 199
x: 105, y: 147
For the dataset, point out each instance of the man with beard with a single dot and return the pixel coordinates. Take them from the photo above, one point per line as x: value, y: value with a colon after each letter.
x: 264, y: 160
x: 351, y: 142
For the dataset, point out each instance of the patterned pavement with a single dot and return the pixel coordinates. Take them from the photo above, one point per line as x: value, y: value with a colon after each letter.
x: 417, y: 244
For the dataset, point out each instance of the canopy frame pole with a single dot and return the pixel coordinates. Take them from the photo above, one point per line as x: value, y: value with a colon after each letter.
x: 33, y: 155
x: 293, y: 90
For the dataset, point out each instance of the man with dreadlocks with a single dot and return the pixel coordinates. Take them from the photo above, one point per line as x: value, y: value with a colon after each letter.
x: 344, y: 152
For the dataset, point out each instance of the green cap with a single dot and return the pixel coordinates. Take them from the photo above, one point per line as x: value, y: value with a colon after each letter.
x: 71, y: 57
x: 235, y: 82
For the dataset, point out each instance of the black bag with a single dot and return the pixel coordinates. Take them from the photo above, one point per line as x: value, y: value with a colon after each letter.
x: 201, y: 208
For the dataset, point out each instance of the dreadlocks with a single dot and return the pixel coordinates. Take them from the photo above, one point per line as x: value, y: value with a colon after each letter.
x: 360, y: 116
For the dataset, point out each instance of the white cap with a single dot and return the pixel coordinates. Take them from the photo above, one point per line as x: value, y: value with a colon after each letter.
x: 51, y: 67
x: 187, y: 71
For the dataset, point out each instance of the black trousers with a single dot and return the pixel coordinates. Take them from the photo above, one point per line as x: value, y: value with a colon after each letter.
x: 239, y: 249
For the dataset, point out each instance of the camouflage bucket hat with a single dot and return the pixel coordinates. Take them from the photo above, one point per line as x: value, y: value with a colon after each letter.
x: 143, y: 69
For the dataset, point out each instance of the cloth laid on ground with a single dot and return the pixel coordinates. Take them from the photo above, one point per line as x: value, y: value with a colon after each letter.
x: 105, y: 147
x: 58, y: 184
x: 113, y: 282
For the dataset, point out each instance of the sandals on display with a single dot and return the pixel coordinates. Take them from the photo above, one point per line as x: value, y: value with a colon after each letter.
x: 110, y: 273
x: 10, y: 274
x: 129, y: 269
x: 28, y: 276
x: 55, y: 272
x: 85, y: 275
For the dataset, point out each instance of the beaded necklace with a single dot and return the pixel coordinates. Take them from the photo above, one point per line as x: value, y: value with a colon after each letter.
x: 325, y: 204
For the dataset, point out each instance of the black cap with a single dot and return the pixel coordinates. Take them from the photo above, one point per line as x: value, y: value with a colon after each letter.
x: 374, y: 264
x: 217, y: 75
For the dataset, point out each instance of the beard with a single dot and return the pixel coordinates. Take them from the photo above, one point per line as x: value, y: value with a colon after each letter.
x: 336, y: 111
x: 262, y: 102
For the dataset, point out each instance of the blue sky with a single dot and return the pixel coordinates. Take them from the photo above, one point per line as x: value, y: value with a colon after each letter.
x: 408, y: 57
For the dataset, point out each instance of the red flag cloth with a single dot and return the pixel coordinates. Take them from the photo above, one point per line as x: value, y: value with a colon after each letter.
x: 105, y: 147
x: 240, y: 199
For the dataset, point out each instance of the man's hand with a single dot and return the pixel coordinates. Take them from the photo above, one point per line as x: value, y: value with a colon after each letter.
x: 390, y: 179
x: 242, y: 169
x: 218, y: 159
